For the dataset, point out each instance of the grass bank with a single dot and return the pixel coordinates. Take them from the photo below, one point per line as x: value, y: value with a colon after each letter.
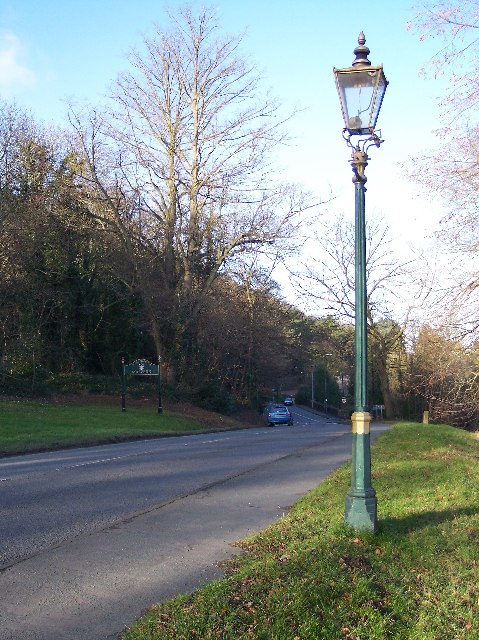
x: 35, y: 426
x: 310, y: 578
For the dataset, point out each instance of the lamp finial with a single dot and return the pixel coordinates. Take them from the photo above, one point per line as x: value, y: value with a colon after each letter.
x: 361, y: 52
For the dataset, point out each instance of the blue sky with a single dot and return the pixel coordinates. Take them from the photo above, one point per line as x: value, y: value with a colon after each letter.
x: 54, y: 50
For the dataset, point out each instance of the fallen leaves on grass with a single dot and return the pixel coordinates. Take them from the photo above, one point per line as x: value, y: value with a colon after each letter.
x: 355, y: 562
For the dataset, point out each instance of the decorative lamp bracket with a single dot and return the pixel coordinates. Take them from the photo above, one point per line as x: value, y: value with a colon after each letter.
x: 359, y: 162
x: 373, y: 139
x: 359, y: 155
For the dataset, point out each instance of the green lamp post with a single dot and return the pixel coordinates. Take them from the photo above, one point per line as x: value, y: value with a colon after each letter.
x: 361, y: 90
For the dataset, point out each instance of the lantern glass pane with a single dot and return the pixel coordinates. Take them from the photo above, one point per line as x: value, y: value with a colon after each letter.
x: 361, y: 92
x: 380, y: 91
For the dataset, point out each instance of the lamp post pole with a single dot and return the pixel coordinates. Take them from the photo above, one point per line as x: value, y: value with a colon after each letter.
x: 160, y: 404
x: 361, y: 90
x: 361, y: 501
x: 312, y: 386
x: 325, y: 384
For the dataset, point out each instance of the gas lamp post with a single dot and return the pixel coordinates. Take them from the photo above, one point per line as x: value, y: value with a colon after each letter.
x: 361, y: 90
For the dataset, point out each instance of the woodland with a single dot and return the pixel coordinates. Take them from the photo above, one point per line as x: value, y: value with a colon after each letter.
x: 152, y: 228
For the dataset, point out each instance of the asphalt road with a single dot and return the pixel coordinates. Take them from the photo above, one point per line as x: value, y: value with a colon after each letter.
x: 90, y: 537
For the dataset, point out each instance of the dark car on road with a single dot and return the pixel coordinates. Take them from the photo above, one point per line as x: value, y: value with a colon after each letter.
x: 278, y: 414
x: 288, y: 401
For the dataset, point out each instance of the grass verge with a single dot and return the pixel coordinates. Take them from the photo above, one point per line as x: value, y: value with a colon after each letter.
x: 310, y: 578
x: 35, y: 426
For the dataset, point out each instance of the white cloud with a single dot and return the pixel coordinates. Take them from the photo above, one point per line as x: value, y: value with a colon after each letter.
x: 14, y: 75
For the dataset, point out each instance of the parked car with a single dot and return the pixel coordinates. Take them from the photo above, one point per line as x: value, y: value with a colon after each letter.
x: 288, y: 401
x: 278, y: 414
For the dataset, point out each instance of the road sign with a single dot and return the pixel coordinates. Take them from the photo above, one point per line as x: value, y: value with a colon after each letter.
x: 140, y: 368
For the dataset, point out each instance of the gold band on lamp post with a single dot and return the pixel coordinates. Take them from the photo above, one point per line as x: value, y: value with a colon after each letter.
x: 361, y: 422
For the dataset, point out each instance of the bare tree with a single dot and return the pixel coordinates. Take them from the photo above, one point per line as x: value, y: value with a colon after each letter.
x: 445, y: 373
x: 453, y: 175
x: 180, y: 170
x: 456, y: 26
x: 329, y: 280
x: 452, y: 171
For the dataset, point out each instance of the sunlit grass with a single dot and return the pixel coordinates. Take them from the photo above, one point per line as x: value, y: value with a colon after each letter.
x: 310, y: 578
x: 27, y: 426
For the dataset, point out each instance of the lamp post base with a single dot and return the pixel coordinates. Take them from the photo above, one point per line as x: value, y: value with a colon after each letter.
x: 361, y: 503
x: 361, y: 512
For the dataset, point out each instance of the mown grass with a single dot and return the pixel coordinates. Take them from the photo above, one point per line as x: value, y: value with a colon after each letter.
x: 310, y: 578
x: 32, y: 426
